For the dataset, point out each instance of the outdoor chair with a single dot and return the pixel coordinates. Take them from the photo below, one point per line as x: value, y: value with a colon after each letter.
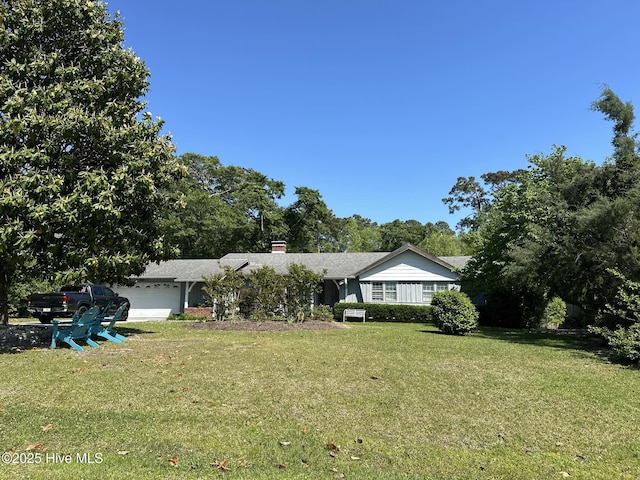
x: 80, y: 330
x: 108, y: 332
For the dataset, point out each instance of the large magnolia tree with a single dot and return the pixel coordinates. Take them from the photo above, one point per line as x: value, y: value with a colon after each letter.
x: 82, y: 169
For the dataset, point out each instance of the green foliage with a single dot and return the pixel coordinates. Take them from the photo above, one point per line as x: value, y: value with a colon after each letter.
x: 625, y: 341
x: 358, y: 234
x: 322, y: 313
x: 265, y: 297
x: 273, y: 295
x: 559, y: 227
x: 554, y: 313
x: 468, y: 193
x: 381, y: 312
x: 624, y: 338
x: 83, y: 172
x: 227, y: 209
x: 301, y: 284
x: 312, y: 225
x: 19, y: 291
x: 223, y: 292
x: 453, y: 313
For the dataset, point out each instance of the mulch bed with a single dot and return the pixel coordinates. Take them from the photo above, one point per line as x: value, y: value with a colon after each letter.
x: 265, y: 326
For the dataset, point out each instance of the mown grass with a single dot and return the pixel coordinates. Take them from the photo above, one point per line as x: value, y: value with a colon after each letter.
x: 384, y: 401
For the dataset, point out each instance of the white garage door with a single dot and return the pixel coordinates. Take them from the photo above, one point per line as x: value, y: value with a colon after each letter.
x: 152, y: 300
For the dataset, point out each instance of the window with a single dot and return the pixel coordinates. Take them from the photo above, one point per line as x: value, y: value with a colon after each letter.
x: 377, y: 294
x: 429, y: 288
x: 427, y: 292
x: 390, y: 292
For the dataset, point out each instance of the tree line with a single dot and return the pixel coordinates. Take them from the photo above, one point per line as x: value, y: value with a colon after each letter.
x: 226, y: 208
x: 90, y: 189
x: 562, y: 227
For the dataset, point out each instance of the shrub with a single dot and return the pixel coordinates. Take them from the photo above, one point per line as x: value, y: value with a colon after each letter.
x: 625, y: 342
x: 554, y: 313
x: 384, y: 312
x: 453, y: 313
x: 624, y: 338
x: 222, y: 290
x: 322, y: 313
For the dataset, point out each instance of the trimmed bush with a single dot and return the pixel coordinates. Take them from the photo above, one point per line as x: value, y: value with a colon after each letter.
x: 554, y: 313
x: 453, y: 313
x: 384, y: 312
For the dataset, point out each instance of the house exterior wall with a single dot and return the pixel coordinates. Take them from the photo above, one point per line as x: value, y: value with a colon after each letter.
x: 408, y: 279
x: 408, y: 267
x: 411, y: 293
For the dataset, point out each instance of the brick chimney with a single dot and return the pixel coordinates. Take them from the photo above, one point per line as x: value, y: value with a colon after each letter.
x: 278, y: 246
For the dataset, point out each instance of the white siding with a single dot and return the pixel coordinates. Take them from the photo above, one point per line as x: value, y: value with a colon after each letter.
x: 408, y: 267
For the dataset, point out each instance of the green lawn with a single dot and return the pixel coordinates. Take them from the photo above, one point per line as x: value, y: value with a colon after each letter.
x: 372, y: 401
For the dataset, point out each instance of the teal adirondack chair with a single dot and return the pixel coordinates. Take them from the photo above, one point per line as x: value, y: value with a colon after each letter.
x: 108, y: 332
x: 104, y: 311
x: 80, y: 330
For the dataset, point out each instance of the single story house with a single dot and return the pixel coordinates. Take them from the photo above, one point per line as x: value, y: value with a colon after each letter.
x: 408, y: 275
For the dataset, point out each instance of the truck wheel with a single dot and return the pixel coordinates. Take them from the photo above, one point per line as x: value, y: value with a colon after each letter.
x: 81, y: 310
x: 45, y: 319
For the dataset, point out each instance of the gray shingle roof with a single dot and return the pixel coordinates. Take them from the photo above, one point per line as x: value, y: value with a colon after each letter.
x: 186, y: 270
x: 336, y: 266
x: 458, y: 262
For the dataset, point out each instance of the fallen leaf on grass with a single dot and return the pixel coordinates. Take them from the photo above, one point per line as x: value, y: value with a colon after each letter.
x: 173, y: 461
x: 34, y: 446
x: 333, y: 446
x: 565, y: 474
x: 339, y: 475
x: 47, y: 427
x: 285, y: 444
x: 358, y: 440
x: 222, y: 466
x: 372, y: 377
x: 280, y: 466
x: 354, y: 458
x: 123, y: 452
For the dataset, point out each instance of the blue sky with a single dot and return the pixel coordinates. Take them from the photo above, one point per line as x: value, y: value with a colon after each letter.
x: 381, y: 104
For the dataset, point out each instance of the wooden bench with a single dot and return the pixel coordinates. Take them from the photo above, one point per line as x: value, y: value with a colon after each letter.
x: 354, y: 313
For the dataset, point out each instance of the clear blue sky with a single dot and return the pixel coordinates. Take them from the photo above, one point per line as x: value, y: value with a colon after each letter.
x: 381, y: 104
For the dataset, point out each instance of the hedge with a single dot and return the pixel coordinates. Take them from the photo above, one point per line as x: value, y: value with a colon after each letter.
x: 381, y: 312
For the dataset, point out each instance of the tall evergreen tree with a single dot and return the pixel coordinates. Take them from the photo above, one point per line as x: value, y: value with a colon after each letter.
x: 82, y: 170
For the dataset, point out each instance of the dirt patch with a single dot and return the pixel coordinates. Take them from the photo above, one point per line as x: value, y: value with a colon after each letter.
x: 265, y: 326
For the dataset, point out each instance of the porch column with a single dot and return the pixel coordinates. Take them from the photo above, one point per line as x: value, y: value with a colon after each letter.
x: 187, y: 290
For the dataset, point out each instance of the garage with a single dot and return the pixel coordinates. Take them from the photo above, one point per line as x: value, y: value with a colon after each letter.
x: 152, y: 300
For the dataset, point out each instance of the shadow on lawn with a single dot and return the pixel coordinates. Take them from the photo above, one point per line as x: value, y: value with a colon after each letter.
x: 564, y: 339
x: 18, y: 338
